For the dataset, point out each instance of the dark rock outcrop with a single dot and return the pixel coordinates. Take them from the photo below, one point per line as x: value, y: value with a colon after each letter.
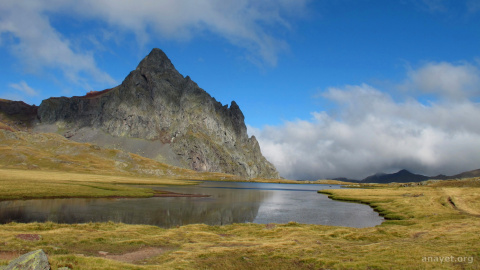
x: 17, y: 108
x: 156, y: 103
x: 17, y: 114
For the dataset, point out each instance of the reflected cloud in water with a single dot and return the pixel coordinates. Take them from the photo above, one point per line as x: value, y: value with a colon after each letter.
x: 228, y: 203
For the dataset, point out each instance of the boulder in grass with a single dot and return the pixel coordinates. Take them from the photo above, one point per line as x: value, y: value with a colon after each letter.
x: 35, y: 260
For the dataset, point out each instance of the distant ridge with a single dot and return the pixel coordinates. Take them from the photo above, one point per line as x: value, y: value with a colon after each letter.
x: 344, y: 179
x: 402, y: 176
x: 405, y: 176
x: 473, y: 173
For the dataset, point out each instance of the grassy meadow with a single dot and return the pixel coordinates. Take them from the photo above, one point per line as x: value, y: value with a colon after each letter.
x: 425, y: 226
x: 32, y: 184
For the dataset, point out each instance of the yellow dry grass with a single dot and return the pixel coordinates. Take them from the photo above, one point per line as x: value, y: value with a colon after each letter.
x: 426, y: 226
x: 333, y: 182
x: 52, y: 152
x: 29, y: 184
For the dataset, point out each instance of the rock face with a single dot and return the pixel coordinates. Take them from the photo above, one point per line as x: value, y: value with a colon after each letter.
x: 155, y: 103
x: 16, y: 108
x: 35, y: 260
x: 17, y: 113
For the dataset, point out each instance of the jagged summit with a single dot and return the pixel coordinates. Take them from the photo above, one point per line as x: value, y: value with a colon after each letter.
x: 156, y: 61
x: 158, y: 113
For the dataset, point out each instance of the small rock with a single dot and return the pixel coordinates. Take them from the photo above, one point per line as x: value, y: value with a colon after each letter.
x: 95, y: 147
x: 35, y: 260
x: 69, y: 134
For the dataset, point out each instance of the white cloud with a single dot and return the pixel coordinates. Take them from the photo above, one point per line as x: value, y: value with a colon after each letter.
x: 371, y: 132
x: 448, y: 80
x: 24, y: 88
x: 39, y: 45
x: 248, y: 24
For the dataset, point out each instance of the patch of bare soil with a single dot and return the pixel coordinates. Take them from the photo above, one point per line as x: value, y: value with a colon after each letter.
x: 9, y: 255
x: 136, y: 256
x: 29, y: 237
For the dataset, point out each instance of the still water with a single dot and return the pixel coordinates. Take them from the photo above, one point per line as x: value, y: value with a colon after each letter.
x: 229, y: 202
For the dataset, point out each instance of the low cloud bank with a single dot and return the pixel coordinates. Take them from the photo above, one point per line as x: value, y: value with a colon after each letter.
x: 370, y: 131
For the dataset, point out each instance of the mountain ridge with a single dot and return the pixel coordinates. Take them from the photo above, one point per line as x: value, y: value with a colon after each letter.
x: 405, y: 176
x: 402, y: 176
x: 158, y: 113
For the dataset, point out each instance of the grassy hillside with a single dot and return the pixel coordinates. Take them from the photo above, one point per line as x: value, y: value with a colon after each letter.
x: 52, y: 152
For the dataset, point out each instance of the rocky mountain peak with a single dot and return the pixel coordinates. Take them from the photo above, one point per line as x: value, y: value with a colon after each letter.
x: 156, y: 61
x: 235, y: 108
x: 158, y: 113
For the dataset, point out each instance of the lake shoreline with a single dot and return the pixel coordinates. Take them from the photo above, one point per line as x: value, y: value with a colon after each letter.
x: 163, y: 193
x: 230, y: 202
x: 422, y: 224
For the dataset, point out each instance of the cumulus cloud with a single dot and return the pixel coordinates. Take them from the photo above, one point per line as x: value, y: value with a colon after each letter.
x: 370, y: 132
x: 447, y: 80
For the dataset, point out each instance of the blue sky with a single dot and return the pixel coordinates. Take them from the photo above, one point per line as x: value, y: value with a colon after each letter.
x: 329, y: 88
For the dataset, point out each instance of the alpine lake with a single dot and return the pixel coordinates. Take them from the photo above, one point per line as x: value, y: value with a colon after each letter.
x: 211, y: 202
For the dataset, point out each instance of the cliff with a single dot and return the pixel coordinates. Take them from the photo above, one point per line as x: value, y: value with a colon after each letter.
x: 17, y: 114
x: 158, y: 113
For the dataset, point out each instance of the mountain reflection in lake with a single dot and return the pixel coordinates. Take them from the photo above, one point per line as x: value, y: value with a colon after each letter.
x: 228, y: 203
